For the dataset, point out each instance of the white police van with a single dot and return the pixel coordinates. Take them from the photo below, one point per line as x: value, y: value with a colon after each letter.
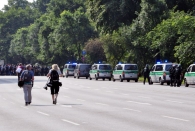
x: 125, y: 72
x: 100, y: 71
x: 189, y: 77
x: 160, y: 73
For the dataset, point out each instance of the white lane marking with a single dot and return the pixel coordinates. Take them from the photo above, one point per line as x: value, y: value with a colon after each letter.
x: 131, y: 109
x: 12, y: 103
x: 102, y: 104
x: 144, y: 97
x: 109, y: 92
x: 43, y: 113
x: 125, y: 94
x: 69, y: 106
x: 174, y: 101
x: 139, y: 103
x: 71, y: 122
x: 176, y: 118
x: 80, y: 100
x: 67, y: 96
x: 4, y: 99
x: 24, y: 107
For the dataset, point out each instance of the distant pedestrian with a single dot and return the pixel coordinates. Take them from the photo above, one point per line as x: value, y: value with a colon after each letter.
x: 28, y: 77
x: 54, y: 75
x: 19, y: 70
x: 146, y: 73
x: 171, y: 74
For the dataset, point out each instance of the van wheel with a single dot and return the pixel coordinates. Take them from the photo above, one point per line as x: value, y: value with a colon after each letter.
x: 168, y: 83
x: 96, y: 78
x: 90, y: 78
x: 86, y: 77
x: 161, y: 81
x: 128, y: 80
x: 113, y: 79
x: 186, y: 83
x: 136, y: 80
x: 77, y: 76
x: 109, y: 79
x: 74, y: 76
x: 121, y: 79
x: 103, y: 79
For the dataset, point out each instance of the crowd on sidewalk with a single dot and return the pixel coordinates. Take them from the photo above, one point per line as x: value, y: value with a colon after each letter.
x: 10, y: 69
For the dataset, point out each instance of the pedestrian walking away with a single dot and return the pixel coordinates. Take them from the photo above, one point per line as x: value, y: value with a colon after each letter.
x: 28, y: 77
x: 54, y: 75
x: 146, y: 73
x: 19, y: 70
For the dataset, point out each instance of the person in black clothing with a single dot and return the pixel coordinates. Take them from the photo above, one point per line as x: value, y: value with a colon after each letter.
x: 146, y: 73
x: 171, y: 74
x: 177, y: 76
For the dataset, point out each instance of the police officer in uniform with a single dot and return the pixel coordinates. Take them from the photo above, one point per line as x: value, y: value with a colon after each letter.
x: 177, y: 76
x: 171, y: 75
x: 146, y: 73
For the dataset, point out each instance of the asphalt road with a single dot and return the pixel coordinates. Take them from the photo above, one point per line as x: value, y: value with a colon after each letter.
x: 85, y: 105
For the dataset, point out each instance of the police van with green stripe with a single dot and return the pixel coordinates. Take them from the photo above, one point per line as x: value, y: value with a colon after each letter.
x: 160, y: 73
x: 69, y: 70
x: 125, y: 72
x: 189, y: 77
x: 100, y: 71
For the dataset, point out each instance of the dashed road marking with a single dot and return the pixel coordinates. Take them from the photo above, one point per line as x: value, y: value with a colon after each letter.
x: 70, y: 122
x: 139, y: 103
x: 24, y: 107
x: 144, y: 97
x: 43, y: 113
x: 176, y: 118
x: 102, y: 104
x: 174, y: 101
x: 125, y: 94
x: 131, y: 110
x: 69, y: 106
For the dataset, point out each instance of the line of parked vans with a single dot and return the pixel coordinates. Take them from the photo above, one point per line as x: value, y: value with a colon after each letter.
x: 102, y: 71
x: 159, y: 73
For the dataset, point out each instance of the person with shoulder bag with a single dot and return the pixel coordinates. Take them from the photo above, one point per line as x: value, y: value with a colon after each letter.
x: 27, y: 77
x: 54, y: 75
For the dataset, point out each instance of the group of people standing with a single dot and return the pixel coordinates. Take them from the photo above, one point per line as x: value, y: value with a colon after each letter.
x: 175, y: 74
x: 26, y: 75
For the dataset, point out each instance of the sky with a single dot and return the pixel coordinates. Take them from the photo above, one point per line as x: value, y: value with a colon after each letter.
x: 4, y: 2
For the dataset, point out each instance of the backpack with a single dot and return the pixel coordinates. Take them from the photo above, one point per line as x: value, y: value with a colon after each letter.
x: 27, y: 77
x: 54, y: 76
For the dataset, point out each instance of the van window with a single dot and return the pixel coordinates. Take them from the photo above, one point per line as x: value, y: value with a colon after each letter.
x: 71, y: 66
x: 189, y: 68
x: 153, y: 68
x: 131, y: 67
x: 85, y: 67
x: 193, y: 69
x: 119, y: 67
x: 105, y: 67
x: 94, y: 67
x: 159, y: 68
x: 168, y: 67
